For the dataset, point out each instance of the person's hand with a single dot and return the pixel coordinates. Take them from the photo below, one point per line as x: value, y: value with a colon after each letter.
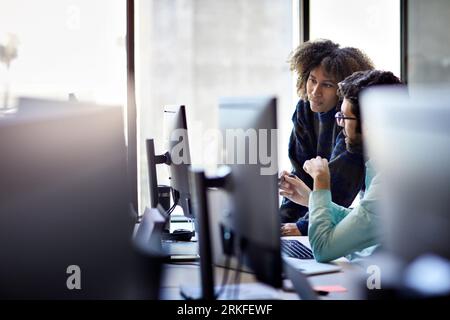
x: 318, y: 169
x: 290, y: 229
x: 294, y: 189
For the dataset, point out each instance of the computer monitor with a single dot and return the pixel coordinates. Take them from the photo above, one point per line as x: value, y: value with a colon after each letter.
x: 65, y: 206
x: 177, y: 158
x: 408, y: 140
x: 251, y: 124
x: 248, y: 127
x: 180, y: 157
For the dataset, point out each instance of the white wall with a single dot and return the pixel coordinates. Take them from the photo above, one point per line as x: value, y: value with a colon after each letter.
x: 194, y: 51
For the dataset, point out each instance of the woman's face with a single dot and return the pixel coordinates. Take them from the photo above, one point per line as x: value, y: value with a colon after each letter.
x: 321, y: 90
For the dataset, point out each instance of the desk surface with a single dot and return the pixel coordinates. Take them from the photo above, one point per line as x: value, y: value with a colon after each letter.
x: 178, y: 274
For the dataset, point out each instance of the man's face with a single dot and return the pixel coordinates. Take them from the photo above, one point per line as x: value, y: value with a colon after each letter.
x: 351, y: 136
x: 321, y: 89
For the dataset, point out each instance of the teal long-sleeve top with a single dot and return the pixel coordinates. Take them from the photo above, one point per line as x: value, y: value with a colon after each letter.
x: 336, y: 231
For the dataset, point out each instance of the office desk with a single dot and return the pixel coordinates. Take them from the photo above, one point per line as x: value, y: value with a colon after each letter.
x: 178, y: 274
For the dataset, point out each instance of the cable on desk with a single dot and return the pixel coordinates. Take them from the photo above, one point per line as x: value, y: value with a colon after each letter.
x: 176, y: 199
x: 237, y: 276
x: 225, y: 277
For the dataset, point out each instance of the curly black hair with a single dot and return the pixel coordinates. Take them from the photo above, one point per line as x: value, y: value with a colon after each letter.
x: 337, y: 62
x: 351, y: 86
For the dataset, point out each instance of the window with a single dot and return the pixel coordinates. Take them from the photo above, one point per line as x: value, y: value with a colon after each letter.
x: 372, y: 26
x: 193, y: 52
x: 66, y: 46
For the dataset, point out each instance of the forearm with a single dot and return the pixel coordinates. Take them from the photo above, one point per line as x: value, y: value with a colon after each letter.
x: 335, y: 231
x: 322, y: 182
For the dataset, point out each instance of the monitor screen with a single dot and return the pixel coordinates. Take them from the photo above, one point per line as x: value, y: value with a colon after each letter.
x: 180, y: 158
x: 408, y: 138
x: 65, y: 205
x: 248, y: 126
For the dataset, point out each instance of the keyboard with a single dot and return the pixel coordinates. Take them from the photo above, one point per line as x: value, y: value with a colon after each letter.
x: 295, y: 249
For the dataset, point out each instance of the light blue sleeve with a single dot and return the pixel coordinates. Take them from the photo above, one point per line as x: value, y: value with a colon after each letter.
x: 335, y: 231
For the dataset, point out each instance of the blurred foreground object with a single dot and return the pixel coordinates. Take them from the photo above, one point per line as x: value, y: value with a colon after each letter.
x: 408, y: 137
x: 64, y: 205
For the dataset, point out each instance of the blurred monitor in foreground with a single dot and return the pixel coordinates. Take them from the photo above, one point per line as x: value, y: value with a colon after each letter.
x: 408, y: 137
x: 65, y: 226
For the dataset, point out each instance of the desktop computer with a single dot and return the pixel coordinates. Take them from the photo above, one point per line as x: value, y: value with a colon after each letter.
x: 176, y: 244
x: 254, y: 193
x: 252, y: 228
x: 408, y: 136
x: 65, y: 226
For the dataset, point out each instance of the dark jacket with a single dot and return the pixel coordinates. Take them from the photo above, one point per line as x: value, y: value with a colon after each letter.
x: 317, y: 134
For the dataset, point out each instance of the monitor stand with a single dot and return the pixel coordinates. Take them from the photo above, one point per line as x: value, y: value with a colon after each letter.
x: 178, y: 246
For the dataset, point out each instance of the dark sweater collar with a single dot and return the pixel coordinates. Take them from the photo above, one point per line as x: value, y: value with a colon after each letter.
x: 326, y: 116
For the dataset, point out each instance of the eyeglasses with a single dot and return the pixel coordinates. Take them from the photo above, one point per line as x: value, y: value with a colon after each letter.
x: 340, y: 118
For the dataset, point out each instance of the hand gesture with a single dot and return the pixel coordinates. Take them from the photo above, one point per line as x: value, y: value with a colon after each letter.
x: 294, y: 189
x: 318, y: 169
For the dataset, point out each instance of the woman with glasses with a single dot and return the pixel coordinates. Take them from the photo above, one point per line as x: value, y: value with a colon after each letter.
x: 320, y: 65
x: 336, y: 231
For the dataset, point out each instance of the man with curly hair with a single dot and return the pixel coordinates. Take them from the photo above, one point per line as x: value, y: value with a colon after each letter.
x: 334, y: 230
x: 320, y: 65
